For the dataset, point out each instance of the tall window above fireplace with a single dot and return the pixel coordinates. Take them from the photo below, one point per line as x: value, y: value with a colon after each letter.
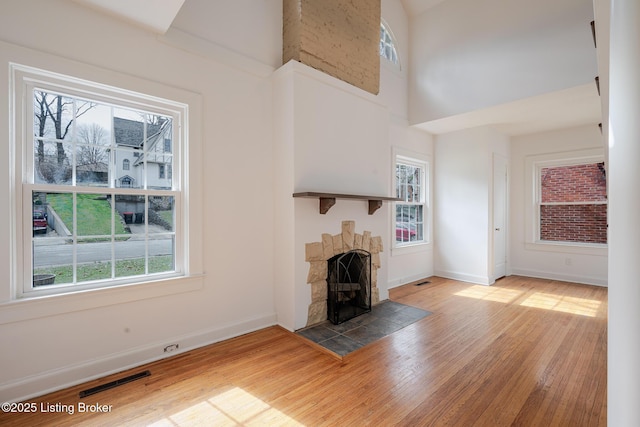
x: 410, y: 213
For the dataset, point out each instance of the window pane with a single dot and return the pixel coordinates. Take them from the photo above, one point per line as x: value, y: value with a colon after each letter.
x: 130, y: 256
x: 577, y: 183
x: 92, y: 165
x: 94, y: 260
x: 161, y: 213
x: 157, y: 176
x: 52, y: 261
x: 93, y: 124
x: 52, y: 163
x: 409, y: 223
x: 94, y: 216
x: 53, y: 115
x: 129, y: 169
x: 574, y: 223
x: 162, y: 254
x: 128, y: 128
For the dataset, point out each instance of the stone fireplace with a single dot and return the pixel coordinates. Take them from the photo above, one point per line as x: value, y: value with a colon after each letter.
x: 318, y: 254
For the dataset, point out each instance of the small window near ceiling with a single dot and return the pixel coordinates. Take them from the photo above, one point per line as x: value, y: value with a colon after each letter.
x: 388, y: 45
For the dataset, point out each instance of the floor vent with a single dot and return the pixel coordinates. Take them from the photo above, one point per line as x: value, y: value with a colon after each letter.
x: 114, y: 384
x: 422, y: 283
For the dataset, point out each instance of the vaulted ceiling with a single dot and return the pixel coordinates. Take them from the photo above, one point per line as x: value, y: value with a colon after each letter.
x: 571, y: 107
x: 155, y: 15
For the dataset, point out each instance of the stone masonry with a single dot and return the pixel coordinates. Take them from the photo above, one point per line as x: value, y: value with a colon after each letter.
x: 318, y: 253
x: 338, y: 37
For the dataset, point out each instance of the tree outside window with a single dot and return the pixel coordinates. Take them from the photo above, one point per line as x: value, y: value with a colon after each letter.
x: 88, y: 156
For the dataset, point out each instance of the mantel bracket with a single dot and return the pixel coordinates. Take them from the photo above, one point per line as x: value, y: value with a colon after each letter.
x: 327, y: 200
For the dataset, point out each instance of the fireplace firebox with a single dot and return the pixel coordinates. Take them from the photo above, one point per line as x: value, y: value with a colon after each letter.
x: 348, y: 285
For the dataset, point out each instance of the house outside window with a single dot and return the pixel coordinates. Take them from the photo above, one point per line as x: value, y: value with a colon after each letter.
x: 79, y: 137
x: 572, y: 203
x: 410, y: 213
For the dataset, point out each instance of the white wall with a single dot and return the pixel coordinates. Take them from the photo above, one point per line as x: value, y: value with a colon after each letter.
x: 250, y: 28
x: 415, y: 262
x: 468, y: 55
x: 332, y: 137
x: 337, y: 137
x: 50, y: 348
x: 557, y: 262
x: 463, y: 207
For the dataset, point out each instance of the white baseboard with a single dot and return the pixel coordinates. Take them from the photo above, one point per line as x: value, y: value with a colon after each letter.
x: 463, y: 277
x: 47, y: 382
x: 408, y: 279
x: 597, y: 281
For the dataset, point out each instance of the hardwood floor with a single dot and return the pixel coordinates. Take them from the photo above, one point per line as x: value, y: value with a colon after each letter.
x: 524, y: 352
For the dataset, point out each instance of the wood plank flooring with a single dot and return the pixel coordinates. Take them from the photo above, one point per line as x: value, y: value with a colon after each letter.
x: 523, y: 352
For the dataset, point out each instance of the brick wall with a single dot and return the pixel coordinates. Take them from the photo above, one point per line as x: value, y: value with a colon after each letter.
x: 579, y: 183
x: 575, y: 222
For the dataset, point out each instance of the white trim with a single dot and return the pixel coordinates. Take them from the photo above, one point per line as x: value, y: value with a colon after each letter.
x: 540, y: 274
x: 192, y: 220
x: 533, y: 164
x: 26, y: 80
x: 423, y: 161
x: 57, y: 379
x: 18, y: 310
x: 463, y: 277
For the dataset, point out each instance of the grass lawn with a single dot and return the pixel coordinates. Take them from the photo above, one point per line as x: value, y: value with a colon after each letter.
x: 94, y: 213
x: 102, y: 270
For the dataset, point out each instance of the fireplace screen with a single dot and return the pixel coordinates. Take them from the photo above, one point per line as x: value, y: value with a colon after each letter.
x: 349, y: 286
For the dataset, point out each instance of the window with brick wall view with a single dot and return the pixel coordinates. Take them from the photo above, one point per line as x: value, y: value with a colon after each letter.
x: 573, y: 203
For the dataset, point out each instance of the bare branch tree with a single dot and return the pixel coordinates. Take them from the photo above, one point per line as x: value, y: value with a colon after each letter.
x: 55, y: 112
x: 94, y: 152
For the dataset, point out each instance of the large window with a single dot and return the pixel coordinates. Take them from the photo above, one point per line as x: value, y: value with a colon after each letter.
x: 572, y: 203
x: 97, y: 209
x: 411, y: 175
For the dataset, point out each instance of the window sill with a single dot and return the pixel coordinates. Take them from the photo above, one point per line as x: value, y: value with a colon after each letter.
x: 52, y: 305
x: 595, y: 249
x: 410, y: 248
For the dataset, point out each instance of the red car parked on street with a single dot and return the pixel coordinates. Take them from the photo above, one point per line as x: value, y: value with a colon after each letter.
x: 39, y: 222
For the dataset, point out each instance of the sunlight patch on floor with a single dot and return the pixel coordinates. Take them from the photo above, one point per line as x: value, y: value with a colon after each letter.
x: 231, y: 408
x: 565, y: 304
x: 489, y: 293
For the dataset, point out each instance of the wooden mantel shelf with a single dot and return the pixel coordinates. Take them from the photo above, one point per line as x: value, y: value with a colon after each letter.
x: 329, y: 199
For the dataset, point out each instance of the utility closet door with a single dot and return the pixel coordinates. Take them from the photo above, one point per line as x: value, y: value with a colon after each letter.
x: 499, y: 216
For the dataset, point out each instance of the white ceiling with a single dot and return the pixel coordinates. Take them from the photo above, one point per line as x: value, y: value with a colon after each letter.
x: 572, y: 107
x: 417, y: 7
x: 155, y: 15
x: 565, y: 108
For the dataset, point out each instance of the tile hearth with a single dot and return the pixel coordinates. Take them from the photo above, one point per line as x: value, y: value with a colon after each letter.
x: 383, y: 319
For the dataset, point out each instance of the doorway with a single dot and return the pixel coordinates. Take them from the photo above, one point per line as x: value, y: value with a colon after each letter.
x: 500, y: 186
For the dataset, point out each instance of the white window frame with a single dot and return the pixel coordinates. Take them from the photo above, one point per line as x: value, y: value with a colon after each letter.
x: 534, y: 166
x: 388, y: 46
x: 24, y: 80
x: 421, y: 161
